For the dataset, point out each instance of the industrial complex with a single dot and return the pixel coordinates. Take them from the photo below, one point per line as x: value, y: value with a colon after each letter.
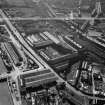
x: 52, y: 52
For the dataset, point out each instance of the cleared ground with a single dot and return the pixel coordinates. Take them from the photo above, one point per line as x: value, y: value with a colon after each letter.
x: 5, y: 98
x: 26, y: 8
x: 16, y: 2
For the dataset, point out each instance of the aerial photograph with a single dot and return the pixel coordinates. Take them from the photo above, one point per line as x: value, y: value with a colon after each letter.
x: 52, y: 52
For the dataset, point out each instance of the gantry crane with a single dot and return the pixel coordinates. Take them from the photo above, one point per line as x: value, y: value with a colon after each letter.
x: 94, y: 15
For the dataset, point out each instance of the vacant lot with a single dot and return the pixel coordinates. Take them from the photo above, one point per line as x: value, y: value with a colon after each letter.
x: 5, y: 97
x: 16, y: 2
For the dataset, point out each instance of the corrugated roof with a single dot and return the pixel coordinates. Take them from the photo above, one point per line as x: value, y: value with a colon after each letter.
x: 2, y: 66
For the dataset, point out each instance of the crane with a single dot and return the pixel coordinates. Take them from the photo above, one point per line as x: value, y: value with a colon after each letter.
x: 94, y: 15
